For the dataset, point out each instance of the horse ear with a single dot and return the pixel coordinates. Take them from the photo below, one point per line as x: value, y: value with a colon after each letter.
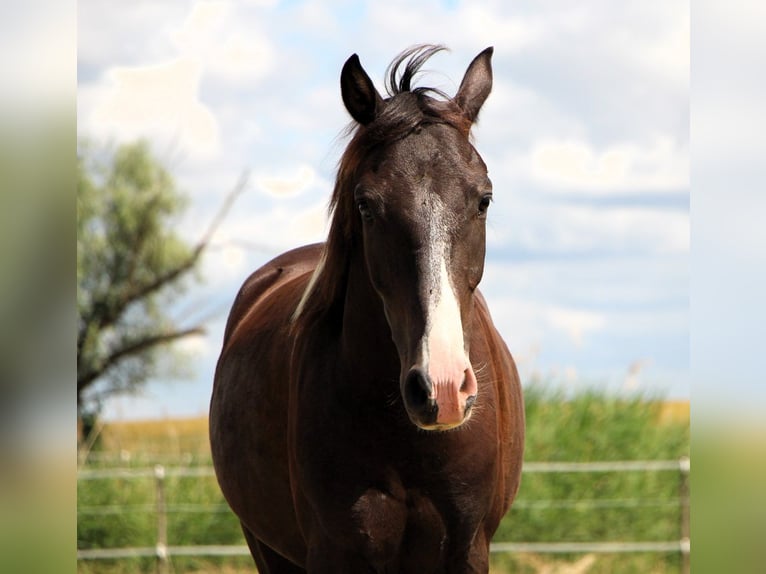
x: 476, y: 84
x: 359, y: 94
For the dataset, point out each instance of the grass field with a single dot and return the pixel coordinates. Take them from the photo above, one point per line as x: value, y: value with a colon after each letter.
x: 604, y: 506
x: 188, y: 436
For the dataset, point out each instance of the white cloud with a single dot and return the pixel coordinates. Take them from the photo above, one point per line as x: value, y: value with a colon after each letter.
x: 195, y: 345
x: 211, y: 35
x: 196, y: 36
x: 575, y: 165
x: 317, y: 17
x: 159, y: 97
x: 230, y: 262
x: 512, y: 34
x: 110, y: 34
x: 310, y: 225
x: 580, y: 229
x: 279, y: 228
x: 575, y: 323
x: 515, y: 115
x: 405, y: 23
x: 536, y: 332
x: 526, y: 321
x: 616, y: 283
x: 293, y: 184
x: 578, y: 310
x: 660, y: 46
x: 159, y: 102
x: 244, y: 57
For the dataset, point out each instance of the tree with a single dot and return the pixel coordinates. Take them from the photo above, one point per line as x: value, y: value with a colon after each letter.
x: 130, y: 265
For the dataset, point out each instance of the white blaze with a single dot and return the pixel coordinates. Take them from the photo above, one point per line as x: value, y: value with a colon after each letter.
x: 444, y: 354
x: 444, y: 331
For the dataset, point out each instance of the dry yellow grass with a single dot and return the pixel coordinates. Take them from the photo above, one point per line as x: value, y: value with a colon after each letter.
x: 190, y: 435
x: 163, y: 436
x: 674, y: 411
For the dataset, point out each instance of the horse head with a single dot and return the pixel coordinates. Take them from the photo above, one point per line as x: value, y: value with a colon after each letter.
x: 420, y: 193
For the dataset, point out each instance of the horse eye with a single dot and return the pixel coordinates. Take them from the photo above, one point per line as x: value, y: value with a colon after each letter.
x: 364, y: 209
x: 484, y: 203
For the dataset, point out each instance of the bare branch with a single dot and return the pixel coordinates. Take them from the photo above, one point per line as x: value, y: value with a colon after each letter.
x: 141, y: 291
x: 224, y: 209
x: 134, y: 348
x: 116, y: 278
x: 198, y: 249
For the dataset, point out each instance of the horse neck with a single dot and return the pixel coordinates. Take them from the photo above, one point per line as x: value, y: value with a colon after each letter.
x: 366, y: 343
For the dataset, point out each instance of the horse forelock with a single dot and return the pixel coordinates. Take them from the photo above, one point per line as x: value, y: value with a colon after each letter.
x: 405, y: 110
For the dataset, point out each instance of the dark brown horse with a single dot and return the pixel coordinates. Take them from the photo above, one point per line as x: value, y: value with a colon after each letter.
x: 366, y: 415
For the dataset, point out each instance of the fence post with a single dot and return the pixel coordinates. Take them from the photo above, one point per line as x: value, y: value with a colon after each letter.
x: 683, y: 496
x: 162, y: 521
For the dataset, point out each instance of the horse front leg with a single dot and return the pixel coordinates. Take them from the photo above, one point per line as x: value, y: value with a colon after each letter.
x: 472, y: 558
x: 325, y: 557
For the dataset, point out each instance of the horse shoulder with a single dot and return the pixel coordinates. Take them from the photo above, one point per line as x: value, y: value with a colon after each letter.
x: 248, y: 410
x: 268, y: 279
x: 510, y: 402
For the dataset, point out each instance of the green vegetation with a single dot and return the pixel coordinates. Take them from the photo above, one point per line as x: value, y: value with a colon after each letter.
x: 115, y: 513
x: 635, y: 506
x: 130, y: 261
x: 600, y: 506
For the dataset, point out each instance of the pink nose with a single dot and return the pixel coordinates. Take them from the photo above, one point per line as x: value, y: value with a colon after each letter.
x: 443, y: 403
x: 455, y: 398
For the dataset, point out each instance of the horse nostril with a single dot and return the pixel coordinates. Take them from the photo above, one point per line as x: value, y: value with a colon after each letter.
x: 469, y: 402
x: 417, y: 391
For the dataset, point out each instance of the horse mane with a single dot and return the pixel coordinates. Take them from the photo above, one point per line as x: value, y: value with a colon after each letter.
x: 405, y: 110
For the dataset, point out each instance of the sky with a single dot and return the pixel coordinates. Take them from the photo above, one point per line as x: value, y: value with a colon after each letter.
x: 586, y: 137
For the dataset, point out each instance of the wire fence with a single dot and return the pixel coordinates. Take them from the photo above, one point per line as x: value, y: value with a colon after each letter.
x: 163, y: 552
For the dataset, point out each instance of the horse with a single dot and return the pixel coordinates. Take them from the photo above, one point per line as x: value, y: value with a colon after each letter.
x: 366, y: 415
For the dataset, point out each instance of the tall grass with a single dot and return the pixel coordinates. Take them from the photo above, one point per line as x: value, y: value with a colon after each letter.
x: 589, y: 426
x: 602, y: 506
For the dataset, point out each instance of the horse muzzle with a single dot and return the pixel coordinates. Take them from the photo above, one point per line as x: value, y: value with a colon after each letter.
x: 439, y: 403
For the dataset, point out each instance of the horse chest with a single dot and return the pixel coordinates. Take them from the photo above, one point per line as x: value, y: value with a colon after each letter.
x: 407, y: 534
x: 404, y: 531
x: 398, y: 497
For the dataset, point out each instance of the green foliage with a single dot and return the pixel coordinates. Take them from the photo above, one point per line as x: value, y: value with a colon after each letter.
x: 551, y: 507
x: 130, y: 261
x: 115, y: 513
x: 210, y: 523
x: 593, y: 425
x: 119, y: 513
x: 599, y: 506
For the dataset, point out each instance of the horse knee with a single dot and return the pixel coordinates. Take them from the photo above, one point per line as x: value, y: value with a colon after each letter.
x: 379, y: 520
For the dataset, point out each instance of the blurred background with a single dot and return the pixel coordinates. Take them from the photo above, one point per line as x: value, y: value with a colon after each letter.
x: 208, y: 138
x: 232, y: 110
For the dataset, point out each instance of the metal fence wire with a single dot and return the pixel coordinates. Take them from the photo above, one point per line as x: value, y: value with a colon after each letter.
x: 163, y: 552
